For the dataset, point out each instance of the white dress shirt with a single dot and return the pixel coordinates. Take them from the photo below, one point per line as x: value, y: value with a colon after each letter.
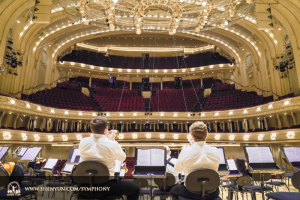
x: 171, y: 169
x: 198, y: 156
x: 100, y: 148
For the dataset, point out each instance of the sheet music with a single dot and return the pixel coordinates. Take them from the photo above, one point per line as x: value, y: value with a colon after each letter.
x: 68, y: 168
x: 260, y: 155
x: 222, y: 156
x: 157, y: 157
x: 22, y: 151
x: 231, y: 165
x: 50, y: 164
x: 292, y: 153
x: 75, y: 155
x: 122, y: 173
x: 118, y: 165
x: 143, y: 157
x: 16, y: 150
x: 3, y: 151
x: 31, y: 153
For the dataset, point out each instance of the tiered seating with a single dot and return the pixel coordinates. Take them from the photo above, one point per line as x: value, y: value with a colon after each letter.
x: 136, y: 86
x: 83, y: 81
x: 175, y: 62
x: 168, y: 84
x: 96, y: 82
x: 231, y: 100
x: 109, y: 99
x: 61, y: 98
x: 207, y: 82
x: 196, y: 83
x: 219, y: 87
x: 286, y: 96
x: 59, y: 165
x: 174, y: 100
x: 203, y: 59
x: 69, y: 86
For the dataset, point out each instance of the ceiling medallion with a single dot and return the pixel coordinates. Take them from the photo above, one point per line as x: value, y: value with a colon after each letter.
x: 157, y: 15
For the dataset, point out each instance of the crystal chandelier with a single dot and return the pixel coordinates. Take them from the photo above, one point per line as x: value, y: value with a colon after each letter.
x: 158, y: 15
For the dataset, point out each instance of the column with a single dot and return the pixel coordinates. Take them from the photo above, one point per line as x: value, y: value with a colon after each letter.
x: 130, y: 83
x: 161, y: 84
x: 181, y: 127
x: 90, y: 80
x: 201, y: 81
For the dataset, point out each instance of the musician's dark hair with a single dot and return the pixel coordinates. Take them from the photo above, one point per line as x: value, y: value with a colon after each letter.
x: 98, y: 125
x: 199, y: 131
x: 240, y: 162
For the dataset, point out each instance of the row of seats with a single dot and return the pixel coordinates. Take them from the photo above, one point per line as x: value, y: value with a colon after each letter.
x: 111, y: 99
x: 62, y: 98
x: 231, y: 99
x: 175, y: 62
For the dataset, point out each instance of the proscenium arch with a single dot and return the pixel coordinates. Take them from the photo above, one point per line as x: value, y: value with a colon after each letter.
x: 110, y: 33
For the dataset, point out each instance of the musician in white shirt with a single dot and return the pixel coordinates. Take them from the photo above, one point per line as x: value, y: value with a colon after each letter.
x: 103, y: 147
x: 199, y: 155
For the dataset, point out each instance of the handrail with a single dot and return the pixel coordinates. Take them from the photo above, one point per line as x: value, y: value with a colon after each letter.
x: 229, y: 80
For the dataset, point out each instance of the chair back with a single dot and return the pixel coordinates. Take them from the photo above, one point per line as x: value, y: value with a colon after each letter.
x: 31, y: 172
x: 164, y: 182
x: 49, y: 175
x: 17, y: 174
x: 244, y: 181
x: 141, y: 182
x: 91, y: 172
x: 261, y: 176
x: 280, y: 176
x: 296, y: 179
x: 202, y: 180
x: 4, y: 177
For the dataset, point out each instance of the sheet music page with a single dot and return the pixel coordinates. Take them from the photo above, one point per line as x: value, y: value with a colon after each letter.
x: 292, y: 153
x: 68, y: 168
x: 118, y: 165
x: 231, y: 165
x: 75, y: 154
x: 260, y: 155
x: 222, y: 156
x: 157, y: 157
x: 266, y: 154
x: 31, y: 153
x: 122, y: 173
x: 50, y: 164
x: 3, y: 151
x: 22, y: 151
x: 143, y: 157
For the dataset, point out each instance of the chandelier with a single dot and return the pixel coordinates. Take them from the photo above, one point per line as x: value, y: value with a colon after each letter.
x: 158, y: 15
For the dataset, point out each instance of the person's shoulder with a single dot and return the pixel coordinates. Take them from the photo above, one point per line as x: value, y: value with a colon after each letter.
x: 86, y: 139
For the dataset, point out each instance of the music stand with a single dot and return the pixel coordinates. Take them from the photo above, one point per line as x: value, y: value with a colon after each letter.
x: 292, y: 155
x: 22, y: 151
x: 74, y: 157
x: 150, y: 171
x: 3, y: 152
x: 50, y: 164
x: 223, y: 166
x: 67, y: 169
x: 31, y: 154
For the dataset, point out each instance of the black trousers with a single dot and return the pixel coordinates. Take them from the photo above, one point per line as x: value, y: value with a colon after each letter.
x: 180, y: 190
x: 131, y: 190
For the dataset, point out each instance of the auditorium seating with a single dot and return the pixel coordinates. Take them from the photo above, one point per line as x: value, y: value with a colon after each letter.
x: 115, y: 99
x: 174, y: 62
x: 174, y: 100
x: 69, y: 86
x: 219, y: 87
x: 231, y: 99
x: 61, y: 98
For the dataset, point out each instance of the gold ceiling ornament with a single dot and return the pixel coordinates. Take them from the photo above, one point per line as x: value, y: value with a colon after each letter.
x: 157, y: 15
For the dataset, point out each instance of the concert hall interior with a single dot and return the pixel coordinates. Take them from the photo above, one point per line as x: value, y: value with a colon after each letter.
x: 175, y: 81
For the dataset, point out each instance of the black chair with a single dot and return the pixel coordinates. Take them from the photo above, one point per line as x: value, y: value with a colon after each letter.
x: 202, y: 181
x: 288, y: 195
x: 259, y: 177
x: 49, y: 176
x: 238, y: 187
x: 35, y: 179
x: 92, y: 173
x: 163, y: 183
x: 142, y: 183
x: 12, y: 188
x: 276, y: 184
